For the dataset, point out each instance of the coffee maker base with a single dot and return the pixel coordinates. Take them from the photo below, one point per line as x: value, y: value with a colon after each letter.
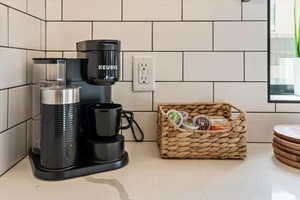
x: 76, y: 171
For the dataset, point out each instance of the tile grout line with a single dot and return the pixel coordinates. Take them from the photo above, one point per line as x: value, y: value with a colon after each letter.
x: 46, y: 35
x: 152, y: 100
x: 26, y: 141
x: 92, y: 30
x: 41, y: 27
x: 27, y: 78
x: 26, y: 6
x: 8, y: 88
x: 152, y: 141
x: 62, y: 8
x: 271, y: 112
x: 45, y: 16
x: 122, y: 65
x: 182, y: 10
x: 21, y: 11
x: 7, y: 26
x: 145, y: 111
x: 182, y: 65
x: 206, y: 81
x: 7, y: 114
x: 152, y: 36
x: 14, y: 126
x: 122, y: 12
x: 213, y: 36
x: 161, y: 21
x: 158, y: 51
x: 20, y: 48
x: 15, y: 164
x: 213, y: 91
x: 242, y: 10
x: 244, y: 66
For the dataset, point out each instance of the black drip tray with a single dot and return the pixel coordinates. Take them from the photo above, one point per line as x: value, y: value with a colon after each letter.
x: 82, y: 169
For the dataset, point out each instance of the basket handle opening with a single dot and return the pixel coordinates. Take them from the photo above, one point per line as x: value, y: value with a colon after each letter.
x: 241, y: 114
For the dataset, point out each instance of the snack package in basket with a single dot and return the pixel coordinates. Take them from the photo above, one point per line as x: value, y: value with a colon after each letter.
x: 218, y: 123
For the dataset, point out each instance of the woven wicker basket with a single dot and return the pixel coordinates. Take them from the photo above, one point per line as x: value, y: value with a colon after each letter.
x: 175, y: 142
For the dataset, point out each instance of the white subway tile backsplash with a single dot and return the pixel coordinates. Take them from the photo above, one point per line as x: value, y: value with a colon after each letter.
x: 13, y: 62
x: 92, y: 10
x: 29, y: 130
x: 53, y: 10
x: 70, y: 54
x: 213, y: 66
x: 207, y: 26
x: 211, y: 10
x: 64, y: 35
x: 255, y: 10
x: 41, y: 74
x: 260, y: 125
x: 288, y: 107
x: 3, y: 110
x: 3, y: 25
x: 168, y: 65
x: 152, y: 10
x: 148, y: 123
x: 20, y: 105
x: 36, y: 100
x: 51, y: 54
x: 36, y: 131
x: 182, y: 92
x: 12, y: 146
x: 194, y: 36
x: 18, y: 4
x: 23, y: 31
x: 256, y: 66
x: 240, y: 36
x: 28, y: 37
x: 43, y: 35
x: 250, y: 97
x: 37, y: 8
x: 122, y: 93
x: 133, y: 35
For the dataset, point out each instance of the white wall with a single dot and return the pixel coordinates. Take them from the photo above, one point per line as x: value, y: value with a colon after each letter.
x: 22, y: 36
x: 284, y: 18
x: 206, y: 50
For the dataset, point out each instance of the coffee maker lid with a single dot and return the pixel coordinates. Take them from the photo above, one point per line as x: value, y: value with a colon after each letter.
x: 99, y: 45
x: 55, y: 60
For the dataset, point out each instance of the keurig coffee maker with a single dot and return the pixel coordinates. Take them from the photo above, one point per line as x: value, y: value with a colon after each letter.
x: 76, y: 126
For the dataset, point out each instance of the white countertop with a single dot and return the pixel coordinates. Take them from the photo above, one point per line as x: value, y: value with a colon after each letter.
x: 147, y: 177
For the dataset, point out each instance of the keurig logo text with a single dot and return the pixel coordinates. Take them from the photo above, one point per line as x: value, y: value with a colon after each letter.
x: 107, y: 67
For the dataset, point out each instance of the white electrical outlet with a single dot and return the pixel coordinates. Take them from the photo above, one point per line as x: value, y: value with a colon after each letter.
x: 143, y: 73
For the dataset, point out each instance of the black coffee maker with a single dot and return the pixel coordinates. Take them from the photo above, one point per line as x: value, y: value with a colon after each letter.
x: 76, y: 131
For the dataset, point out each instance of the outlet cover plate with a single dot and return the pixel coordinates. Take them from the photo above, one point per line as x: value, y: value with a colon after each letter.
x: 143, y: 68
